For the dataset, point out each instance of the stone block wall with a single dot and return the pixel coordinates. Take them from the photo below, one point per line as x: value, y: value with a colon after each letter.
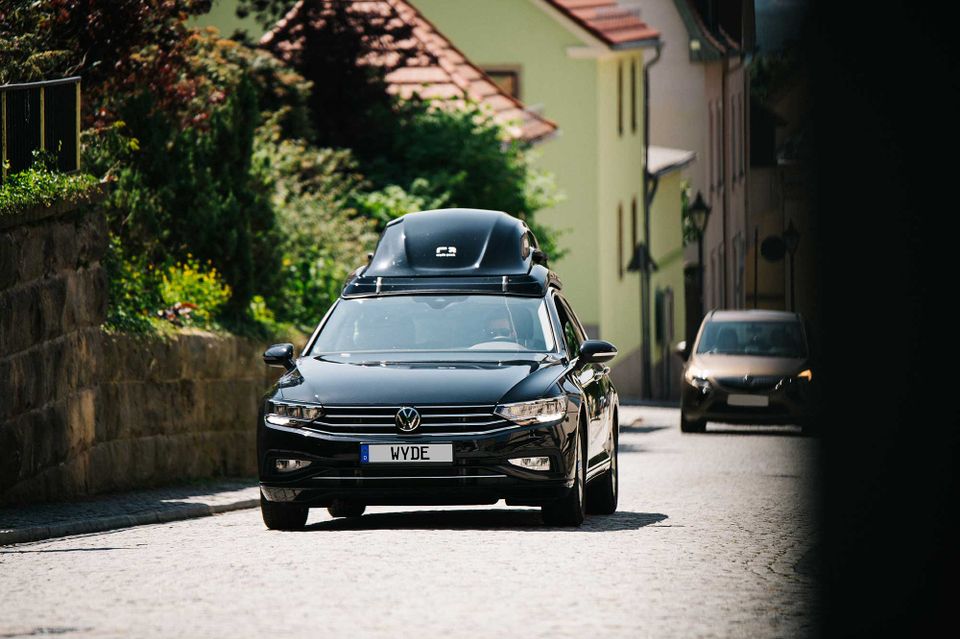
x: 83, y: 411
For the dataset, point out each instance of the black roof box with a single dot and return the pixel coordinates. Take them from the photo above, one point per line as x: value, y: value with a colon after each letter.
x: 452, y: 242
x: 454, y: 250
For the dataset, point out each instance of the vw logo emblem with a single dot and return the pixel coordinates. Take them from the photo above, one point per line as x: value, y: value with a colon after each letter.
x: 407, y: 419
x: 748, y: 380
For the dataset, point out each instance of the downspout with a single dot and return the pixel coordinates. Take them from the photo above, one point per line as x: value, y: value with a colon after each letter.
x: 748, y: 219
x: 724, y: 149
x: 649, y: 187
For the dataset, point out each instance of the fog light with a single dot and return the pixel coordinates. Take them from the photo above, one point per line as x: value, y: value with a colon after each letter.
x: 290, y: 465
x: 531, y: 463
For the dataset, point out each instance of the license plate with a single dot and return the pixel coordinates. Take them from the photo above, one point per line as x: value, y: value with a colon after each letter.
x: 748, y: 400
x: 406, y: 453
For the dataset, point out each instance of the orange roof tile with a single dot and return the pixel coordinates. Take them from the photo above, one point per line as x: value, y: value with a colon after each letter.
x: 432, y: 66
x: 618, y: 27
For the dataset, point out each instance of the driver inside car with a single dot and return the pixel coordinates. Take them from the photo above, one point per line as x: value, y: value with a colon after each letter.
x: 498, y: 325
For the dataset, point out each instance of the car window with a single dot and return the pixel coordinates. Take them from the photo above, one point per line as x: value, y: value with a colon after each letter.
x: 572, y: 334
x: 437, y: 323
x: 771, y: 339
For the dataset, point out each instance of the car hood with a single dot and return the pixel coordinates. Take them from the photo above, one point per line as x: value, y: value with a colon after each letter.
x: 420, y: 378
x: 740, y: 365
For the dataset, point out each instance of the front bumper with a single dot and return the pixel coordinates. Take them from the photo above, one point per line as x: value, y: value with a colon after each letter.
x: 479, y: 473
x: 790, y: 403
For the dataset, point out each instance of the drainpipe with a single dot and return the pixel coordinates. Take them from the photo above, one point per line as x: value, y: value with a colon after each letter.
x: 724, y: 149
x: 746, y: 63
x: 649, y: 187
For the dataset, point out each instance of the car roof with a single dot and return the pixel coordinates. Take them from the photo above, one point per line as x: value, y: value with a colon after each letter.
x: 752, y: 315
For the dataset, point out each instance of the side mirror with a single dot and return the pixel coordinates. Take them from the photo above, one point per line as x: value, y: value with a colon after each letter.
x: 681, y: 350
x: 280, y: 355
x: 539, y: 257
x: 594, y: 351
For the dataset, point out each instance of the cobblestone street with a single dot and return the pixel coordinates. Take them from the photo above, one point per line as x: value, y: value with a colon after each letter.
x: 714, y: 537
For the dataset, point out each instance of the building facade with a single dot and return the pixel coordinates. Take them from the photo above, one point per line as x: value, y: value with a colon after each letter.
x: 700, y: 100
x: 781, y: 198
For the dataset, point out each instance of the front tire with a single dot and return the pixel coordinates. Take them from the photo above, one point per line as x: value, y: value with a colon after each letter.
x: 692, y: 425
x: 603, y: 491
x: 280, y: 516
x: 809, y: 427
x: 340, y: 508
x: 570, y: 510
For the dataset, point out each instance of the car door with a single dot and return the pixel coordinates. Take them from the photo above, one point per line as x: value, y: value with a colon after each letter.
x: 591, y: 380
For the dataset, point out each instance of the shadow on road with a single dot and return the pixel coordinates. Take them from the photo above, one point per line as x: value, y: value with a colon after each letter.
x: 24, y: 552
x: 527, y: 520
x: 766, y: 431
x: 640, y: 427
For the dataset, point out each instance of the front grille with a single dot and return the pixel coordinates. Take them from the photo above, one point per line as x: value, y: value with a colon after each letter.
x: 434, y: 420
x: 774, y: 410
x: 751, y: 383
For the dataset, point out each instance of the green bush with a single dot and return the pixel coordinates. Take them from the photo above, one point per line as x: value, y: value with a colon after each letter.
x: 462, y: 158
x: 41, y: 185
x: 192, y: 190
x: 322, y: 236
x: 392, y: 201
x: 133, y: 290
x: 197, y: 287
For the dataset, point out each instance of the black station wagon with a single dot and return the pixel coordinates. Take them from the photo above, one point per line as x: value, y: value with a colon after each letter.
x: 450, y: 371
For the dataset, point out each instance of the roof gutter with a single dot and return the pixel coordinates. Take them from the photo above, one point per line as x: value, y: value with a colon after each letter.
x: 646, y: 43
x: 649, y: 187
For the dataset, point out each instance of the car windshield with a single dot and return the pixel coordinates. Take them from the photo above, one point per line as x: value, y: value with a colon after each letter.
x: 437, y: 323
x: 771, y: 339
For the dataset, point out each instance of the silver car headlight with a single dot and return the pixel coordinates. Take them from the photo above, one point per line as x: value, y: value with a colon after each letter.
x: 539, y: 411
x: 289, y: 411
x: 697, y: 377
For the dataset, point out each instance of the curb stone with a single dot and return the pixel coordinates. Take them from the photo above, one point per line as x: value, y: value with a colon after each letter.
x: 100, y: 524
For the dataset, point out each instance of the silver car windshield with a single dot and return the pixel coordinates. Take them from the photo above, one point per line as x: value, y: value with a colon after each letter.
x: 772, y: 339
x: 437, y: 323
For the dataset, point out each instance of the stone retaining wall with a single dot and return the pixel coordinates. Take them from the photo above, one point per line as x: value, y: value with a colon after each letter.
x: 83, y: 411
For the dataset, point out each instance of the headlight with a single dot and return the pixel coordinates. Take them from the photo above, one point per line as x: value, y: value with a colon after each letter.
x: 535, y: 412
x: 806, y: 375
x: 697, y: 378
x: 299, y: 412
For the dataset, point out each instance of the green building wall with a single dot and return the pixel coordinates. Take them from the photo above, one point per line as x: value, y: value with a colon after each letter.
x: 620, y: 171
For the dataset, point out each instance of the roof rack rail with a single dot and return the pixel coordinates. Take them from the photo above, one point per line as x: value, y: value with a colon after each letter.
x: 533, y: 284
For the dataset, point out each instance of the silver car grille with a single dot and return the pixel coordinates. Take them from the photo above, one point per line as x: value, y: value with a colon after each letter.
x: 434, y: 420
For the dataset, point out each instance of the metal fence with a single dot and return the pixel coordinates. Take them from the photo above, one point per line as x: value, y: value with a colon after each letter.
x: 40, y: 115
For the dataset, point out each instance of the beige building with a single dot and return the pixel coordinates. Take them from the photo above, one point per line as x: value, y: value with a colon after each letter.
x: 780, y: 201
x: 699, y: 100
